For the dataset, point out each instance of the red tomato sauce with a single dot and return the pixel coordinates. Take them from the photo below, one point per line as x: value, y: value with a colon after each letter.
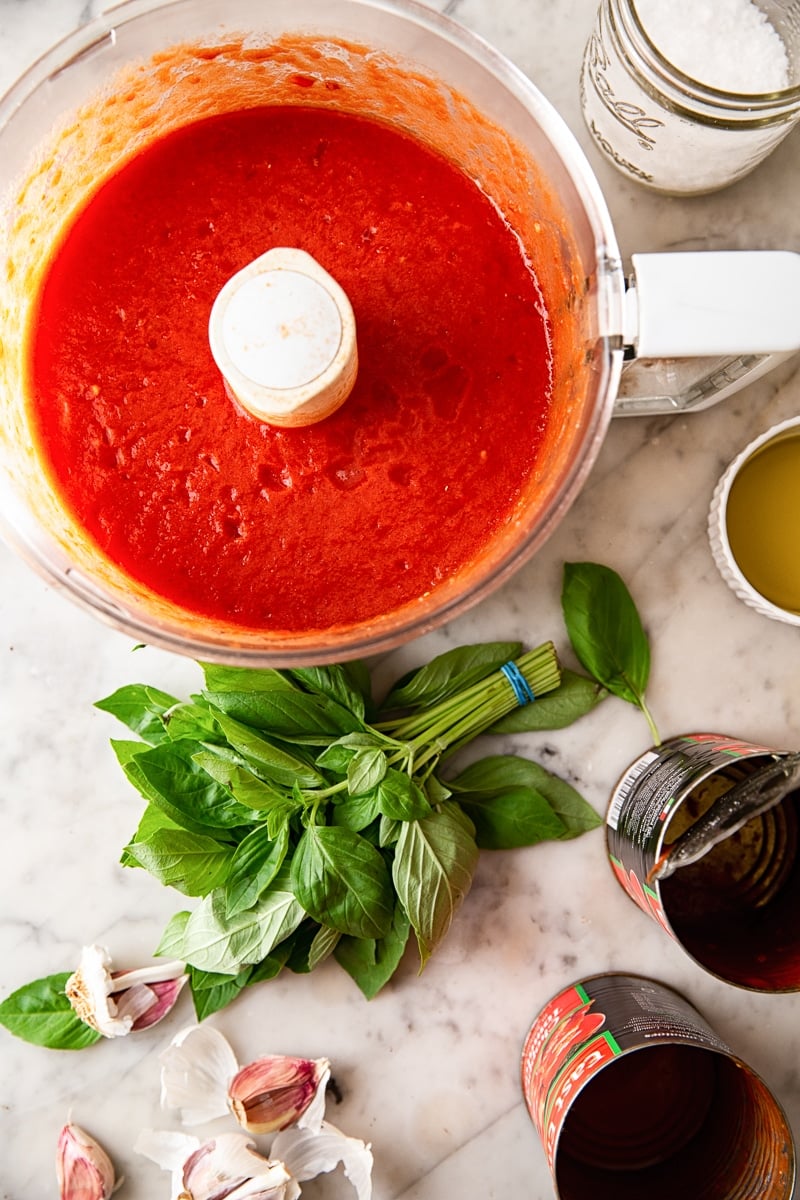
x: 292, y: 529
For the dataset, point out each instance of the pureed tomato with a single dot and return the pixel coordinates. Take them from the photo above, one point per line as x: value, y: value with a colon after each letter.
x: 296, y: 529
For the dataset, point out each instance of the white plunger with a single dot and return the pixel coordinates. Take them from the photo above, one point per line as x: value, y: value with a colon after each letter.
x: 283, y: 335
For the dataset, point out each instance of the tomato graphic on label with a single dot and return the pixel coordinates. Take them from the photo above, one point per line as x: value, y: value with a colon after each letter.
x: 646, y: 899
x: 631, y: 884
x: 657, y: 911
x: 572, y: 1032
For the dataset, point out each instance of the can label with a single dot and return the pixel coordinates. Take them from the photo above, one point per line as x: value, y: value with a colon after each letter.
x: 587, y: 1026
x: 646, y: 797
x: 622, y: 1076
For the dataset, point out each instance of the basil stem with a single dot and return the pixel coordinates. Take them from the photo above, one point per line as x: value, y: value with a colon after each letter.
x: 440, y: 730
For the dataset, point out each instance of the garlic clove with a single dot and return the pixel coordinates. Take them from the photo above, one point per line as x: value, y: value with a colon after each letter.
x: 84, y: 1170
x: 115, y: 1003
x: 274, y: 1092
x: 226, y: 1167
x: 87, y: 990
x: 231, y: 1159
x: 150, y: 1009
x: 196, y: 1069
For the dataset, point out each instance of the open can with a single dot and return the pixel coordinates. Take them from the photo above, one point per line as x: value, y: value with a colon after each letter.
x: 634, y: 1095
x: 733, y: 910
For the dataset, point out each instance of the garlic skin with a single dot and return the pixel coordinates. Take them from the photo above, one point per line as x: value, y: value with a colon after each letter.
x: 201, y: 1078
x: 196, y: 1069
x: 227, y: 1167
x: 84, y: 1170
x: 311, y: 1152
x: 274, y: 1092
x: 121, y: 1002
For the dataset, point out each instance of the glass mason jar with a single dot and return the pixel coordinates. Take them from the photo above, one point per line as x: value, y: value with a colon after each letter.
x: 668, y: 131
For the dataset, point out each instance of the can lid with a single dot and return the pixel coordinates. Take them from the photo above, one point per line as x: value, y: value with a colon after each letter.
x: 752, y: 796
x: 282, y: 332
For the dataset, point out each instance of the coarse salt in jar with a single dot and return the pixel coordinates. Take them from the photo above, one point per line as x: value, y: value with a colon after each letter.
x: 687, y: 96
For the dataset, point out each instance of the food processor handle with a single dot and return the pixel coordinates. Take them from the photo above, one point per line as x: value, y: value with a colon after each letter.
x: 719, y: 319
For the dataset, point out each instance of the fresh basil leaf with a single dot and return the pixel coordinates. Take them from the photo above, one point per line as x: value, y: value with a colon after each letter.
x: 503, y: 772
x: 358, y: 676
x: 202, y: 981
x: 247, y: 788
x: 371, y: 962
x: 172, y: 937
x: 214, y: 942
x: 276, y: 811
x: 219, y: 762
x: 336, y: 758
x: 185, y: 792
x: 141, y: 708
x: 152, y: 818
x: 339, y: 754
x: 270, y: 761
x: 357, y: 812
x: 193, y: 721
x: 606, y: 631
x: 435, y: 790
x: 244, y: 679
x: 287, y: 714
x: 211, y: 992
x: 510, y: 819
x: 298, y: 959
x: 337, y: 682
x: 342, y: 881
x: 40, y: 1013
x: 400, y: 798
x: 365, y: 771
x: 126, y: 751
x: 434, y: 862
x: 575, y: 696
x: 151, y: 794
x: 189, y: 862
x: 388, y: 831
x: 324, y: 943
x: 274, y: 962
x: 449, y: 673
x: 256, y: 862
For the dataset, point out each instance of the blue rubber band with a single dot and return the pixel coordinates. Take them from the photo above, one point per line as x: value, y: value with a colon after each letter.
x: 519, y: 683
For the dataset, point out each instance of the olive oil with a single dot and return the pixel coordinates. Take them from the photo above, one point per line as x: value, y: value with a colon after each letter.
x: 763, y: 520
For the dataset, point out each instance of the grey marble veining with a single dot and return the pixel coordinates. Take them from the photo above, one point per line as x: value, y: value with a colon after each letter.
x: 429, y: 1071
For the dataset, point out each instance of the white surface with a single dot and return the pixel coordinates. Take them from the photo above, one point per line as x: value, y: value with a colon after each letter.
x: 429, y: 1070
x: 718, y: 530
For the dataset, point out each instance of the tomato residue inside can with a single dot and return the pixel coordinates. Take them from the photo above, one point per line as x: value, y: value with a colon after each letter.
x: 293, y: 529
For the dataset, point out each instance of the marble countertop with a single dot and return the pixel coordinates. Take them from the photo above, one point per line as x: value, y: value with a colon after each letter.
x: 429, y: 1070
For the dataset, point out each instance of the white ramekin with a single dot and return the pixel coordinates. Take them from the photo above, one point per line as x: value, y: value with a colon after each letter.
x: 718, y: 531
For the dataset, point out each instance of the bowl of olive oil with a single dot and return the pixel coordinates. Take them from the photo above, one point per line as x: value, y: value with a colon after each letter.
x: 754, y: 523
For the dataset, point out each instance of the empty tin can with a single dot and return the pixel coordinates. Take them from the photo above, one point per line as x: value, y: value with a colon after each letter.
x: 635, y: 1096
x: 734, y: 908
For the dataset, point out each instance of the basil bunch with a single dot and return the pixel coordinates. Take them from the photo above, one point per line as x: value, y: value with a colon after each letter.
x: 311, y: 823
